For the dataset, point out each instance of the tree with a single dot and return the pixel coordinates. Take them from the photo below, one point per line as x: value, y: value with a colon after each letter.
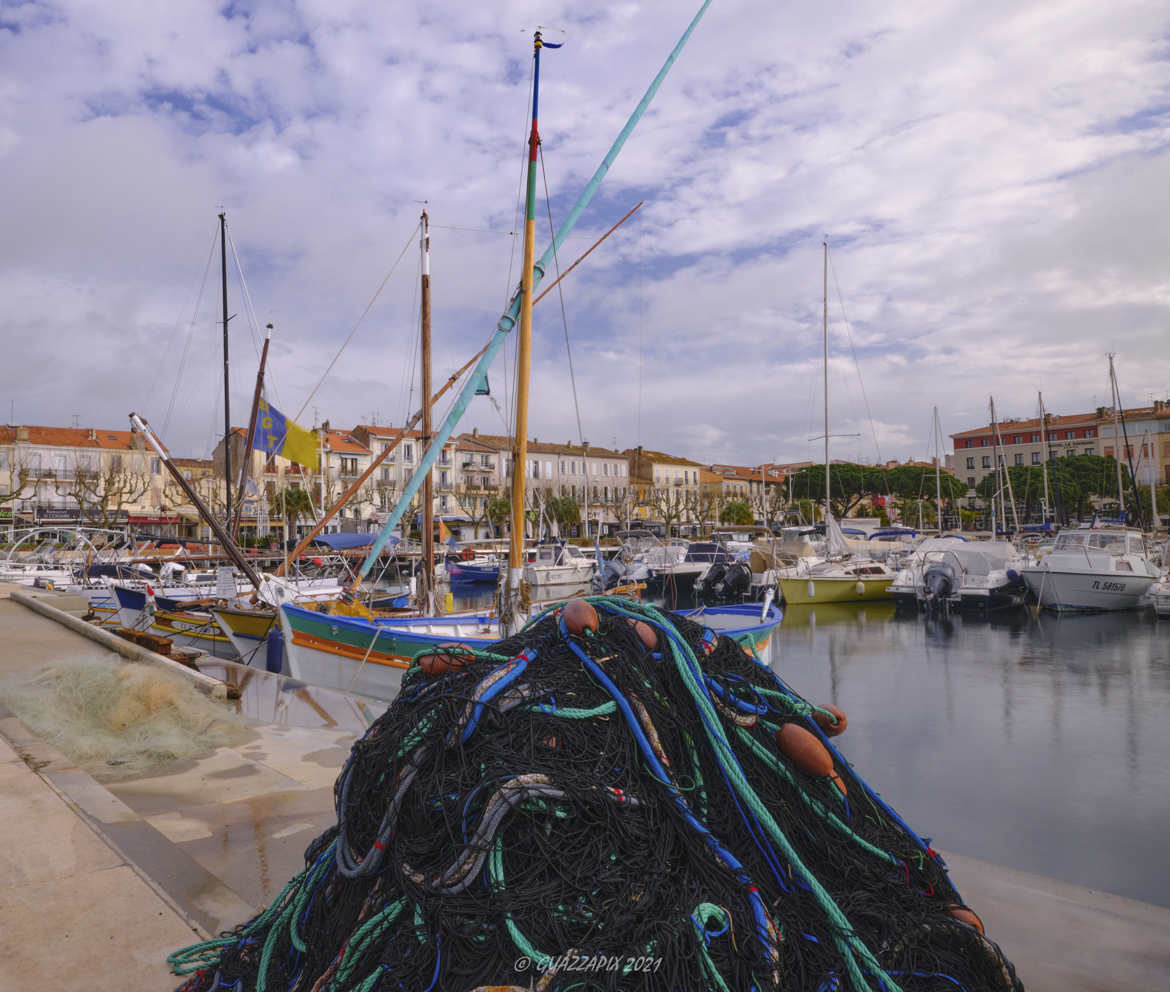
x: 102, y: 493
x: 702, y: 504
x: 564, y: 510
x: 20, y: 476
x: 736, y: 512
x: 499, y: 512
x: 668, y: 505
x: 291, y: 504
x: 473, y: 498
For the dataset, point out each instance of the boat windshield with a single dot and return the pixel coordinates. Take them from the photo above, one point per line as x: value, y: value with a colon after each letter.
x: 1070, y: 540
x: 1114, y: 543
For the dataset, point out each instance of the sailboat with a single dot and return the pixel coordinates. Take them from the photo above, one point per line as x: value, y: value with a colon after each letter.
x: 368, y: 654
x: 839, y: 577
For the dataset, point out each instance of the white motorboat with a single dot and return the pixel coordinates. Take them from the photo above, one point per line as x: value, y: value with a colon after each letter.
x: 950, y: 572
x: 556, y: 563
x: 1096, y: 569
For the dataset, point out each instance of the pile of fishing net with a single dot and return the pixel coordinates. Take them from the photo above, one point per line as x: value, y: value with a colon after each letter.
x: 612, y: 799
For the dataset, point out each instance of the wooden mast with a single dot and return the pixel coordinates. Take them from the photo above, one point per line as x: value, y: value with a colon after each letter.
x: 227, y: 410
x: 514, y: 599
x: 247, y: 454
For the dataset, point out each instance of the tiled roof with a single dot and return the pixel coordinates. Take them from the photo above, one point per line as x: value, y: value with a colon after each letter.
x: 503, y: 442
x: 72, y: 437
x: 342, y: 442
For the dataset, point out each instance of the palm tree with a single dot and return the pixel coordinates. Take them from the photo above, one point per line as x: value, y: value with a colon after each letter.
x: 291, y: 504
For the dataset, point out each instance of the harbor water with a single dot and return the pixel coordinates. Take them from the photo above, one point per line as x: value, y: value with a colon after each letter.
x: 1033, y: 741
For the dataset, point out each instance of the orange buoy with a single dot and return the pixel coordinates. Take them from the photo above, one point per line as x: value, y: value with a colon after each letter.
x: 965, y: 915
x: 580, y: 616
x: 804, y: 750
x: 647, y: 634
x: 826, y: 723
x: 445, y: 658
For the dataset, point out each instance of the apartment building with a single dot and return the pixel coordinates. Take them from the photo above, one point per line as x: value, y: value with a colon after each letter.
x: 83, y: 475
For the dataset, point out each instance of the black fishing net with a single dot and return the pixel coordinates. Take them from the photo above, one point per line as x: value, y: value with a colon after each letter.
x: 638, y: 806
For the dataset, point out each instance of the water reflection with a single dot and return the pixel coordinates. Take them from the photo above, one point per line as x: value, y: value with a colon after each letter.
x: 1037, y: 742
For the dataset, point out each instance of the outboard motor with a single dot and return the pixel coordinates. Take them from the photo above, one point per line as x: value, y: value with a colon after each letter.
x: 940, y: 582
x: 737, y: 580
x: 708, y: 582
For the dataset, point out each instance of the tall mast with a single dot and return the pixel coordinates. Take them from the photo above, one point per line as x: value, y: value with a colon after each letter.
x: 251, y: 437
x: 1044, y: 458
x: 826, y: 356
x: 937, y: 471
x: 227, y: 409
x: 507, y: 321
x: 426, y: 592
x: 1117, y: 448
x: 511, y: 614
x: 1006, y: 475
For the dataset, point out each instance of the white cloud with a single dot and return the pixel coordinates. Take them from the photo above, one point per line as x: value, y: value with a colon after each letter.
x: 996, y: 206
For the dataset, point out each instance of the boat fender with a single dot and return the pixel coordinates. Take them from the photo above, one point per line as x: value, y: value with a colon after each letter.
x: 466, y: 554
x: 812, y: 591
x: 967, y: 916
x: 445, y: 658
x: 580, y: 616
x: 1013, y: 575
x: 859, y: 586
x: 826, y: 722
x: 274, y: 649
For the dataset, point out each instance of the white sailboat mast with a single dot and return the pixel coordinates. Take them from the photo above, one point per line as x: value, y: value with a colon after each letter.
x: 937, y: 471
x: 1044, y: 455
x: 826, y: 357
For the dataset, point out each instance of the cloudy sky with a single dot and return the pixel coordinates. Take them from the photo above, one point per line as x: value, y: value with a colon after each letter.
x: 993, y: 179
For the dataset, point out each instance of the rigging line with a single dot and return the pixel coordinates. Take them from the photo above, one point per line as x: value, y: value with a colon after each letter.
x: 253, y: 321
x: 369, y: 306
x: 856, y: 363
x: 561, y: 293
x: 190, y: 333
x: 473, y: 230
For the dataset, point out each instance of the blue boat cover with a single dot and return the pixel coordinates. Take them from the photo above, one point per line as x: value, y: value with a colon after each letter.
x: 343, y: 542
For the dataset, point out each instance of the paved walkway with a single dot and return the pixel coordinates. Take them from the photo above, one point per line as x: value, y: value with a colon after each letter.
x: 106, y: 879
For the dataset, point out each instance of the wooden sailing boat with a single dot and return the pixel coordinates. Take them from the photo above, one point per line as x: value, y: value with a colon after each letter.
x: 838, y: 577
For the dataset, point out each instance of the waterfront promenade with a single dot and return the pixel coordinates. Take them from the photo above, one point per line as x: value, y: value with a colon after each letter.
x: 103, y: 880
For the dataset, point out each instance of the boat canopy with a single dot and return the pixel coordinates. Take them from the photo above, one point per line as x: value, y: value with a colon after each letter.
x: 345, y: 542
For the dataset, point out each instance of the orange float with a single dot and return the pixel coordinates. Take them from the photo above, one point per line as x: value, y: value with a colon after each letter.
x: 580, y: 616
x: 647, y: 634
x: 445, y: 658
x: 967, y: 916
x: 826, y: 723
x: 804, y: 750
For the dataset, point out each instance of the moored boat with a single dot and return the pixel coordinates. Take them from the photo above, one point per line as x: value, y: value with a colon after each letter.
x: 1093, y: 570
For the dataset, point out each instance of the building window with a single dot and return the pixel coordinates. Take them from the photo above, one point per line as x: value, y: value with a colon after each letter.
x: 1035, y: 438
x: 1035, y: 457
x: 983, y: 442
x: 1019, y: 458
x: 987, y: 461
x: 970, y: 463
x: 1069, y: 435
x: 1088, y: 451
x: 1019, y: 439
x: 562, y: 466
x: 971, y: 481
x: 408, y: 452
x: 442, y: 502
x: 444, y: 479
x: 1090, y: 432
x: 605, y: 468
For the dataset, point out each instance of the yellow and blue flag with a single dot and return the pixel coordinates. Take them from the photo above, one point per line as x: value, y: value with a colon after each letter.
x: 276, y: 434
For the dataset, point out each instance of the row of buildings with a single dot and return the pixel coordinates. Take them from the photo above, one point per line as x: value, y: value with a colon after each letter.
x: 1141, y: 434
x: 110, y: 478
